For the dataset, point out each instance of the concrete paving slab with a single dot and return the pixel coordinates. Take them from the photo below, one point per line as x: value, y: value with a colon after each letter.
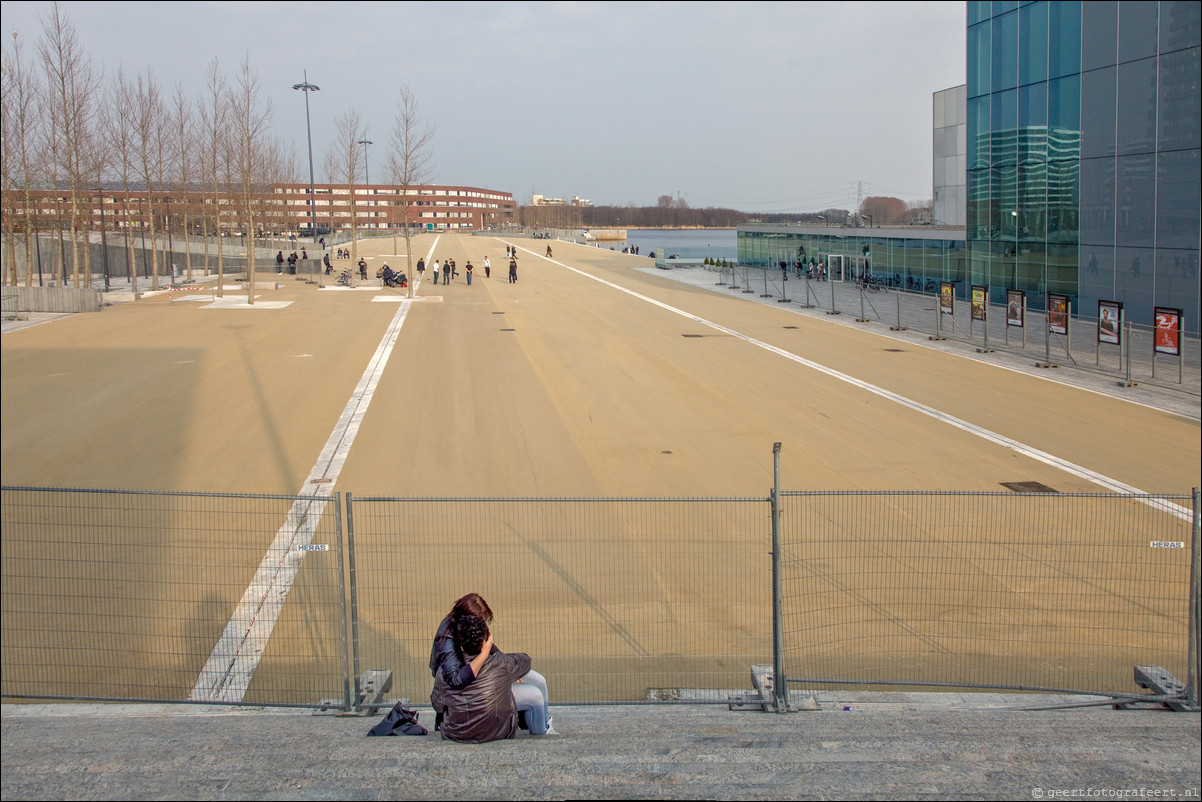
x: 871, y: 746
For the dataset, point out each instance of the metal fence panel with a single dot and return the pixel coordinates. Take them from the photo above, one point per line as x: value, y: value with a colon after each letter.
x: 229, y: 599
x: 616, y: 600
x: 1000, y: 590
x: 128, y: 595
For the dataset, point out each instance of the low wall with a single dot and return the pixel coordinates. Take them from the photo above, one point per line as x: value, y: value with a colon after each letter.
x: 52, y: 299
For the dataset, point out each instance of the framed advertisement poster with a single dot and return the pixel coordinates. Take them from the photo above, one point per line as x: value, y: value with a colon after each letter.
x: 979, y: 303
x: 1057, y: 313
x: 1109, y: 315
x: 947, y: 297
x: 1016, y: 307
x: 1169, y: 323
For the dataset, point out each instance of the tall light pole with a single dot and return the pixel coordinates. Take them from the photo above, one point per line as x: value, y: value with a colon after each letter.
x: 366, y: 173
x: 307, y: 87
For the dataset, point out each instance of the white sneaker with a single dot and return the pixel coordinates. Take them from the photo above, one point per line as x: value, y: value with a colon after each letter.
x: 550, y: 728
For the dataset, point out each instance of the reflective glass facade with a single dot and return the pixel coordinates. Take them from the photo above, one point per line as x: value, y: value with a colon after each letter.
x: 1083, y: 165
x: 916, y: 260
x: 1084, y: 126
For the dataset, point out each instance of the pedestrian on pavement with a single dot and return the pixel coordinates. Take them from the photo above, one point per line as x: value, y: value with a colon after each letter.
x: 487, y: 267
x: 435, y: 271
x: 513, y: 271
x: 467, y: 270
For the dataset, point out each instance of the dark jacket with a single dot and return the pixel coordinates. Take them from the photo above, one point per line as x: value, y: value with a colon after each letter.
x: 445, y: 659
x: 484, y: 710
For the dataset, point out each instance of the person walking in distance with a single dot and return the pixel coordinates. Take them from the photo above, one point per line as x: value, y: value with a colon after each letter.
x: 513, y: 271
x: 434, y: 270
x: 487, y: 267
x: 467, y: 271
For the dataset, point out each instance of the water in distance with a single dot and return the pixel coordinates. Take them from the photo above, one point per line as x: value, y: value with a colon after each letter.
x: 687, y: 244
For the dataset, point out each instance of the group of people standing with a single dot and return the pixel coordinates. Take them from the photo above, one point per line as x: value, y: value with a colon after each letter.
x: 291, y: 260
x: 448, y: 270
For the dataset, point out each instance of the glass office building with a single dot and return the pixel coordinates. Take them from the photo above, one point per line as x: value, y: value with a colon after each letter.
x: 1083, y: 127
x: 1083, y: 165
x: 915, y: 258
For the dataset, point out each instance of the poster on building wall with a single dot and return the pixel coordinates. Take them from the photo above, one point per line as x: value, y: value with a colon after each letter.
x: 1016, y: 307
x: 1169, y: 323
x: 947, y: 297
x: 1057, y: 313
x: 980, y: 306
x: 1109, y: 315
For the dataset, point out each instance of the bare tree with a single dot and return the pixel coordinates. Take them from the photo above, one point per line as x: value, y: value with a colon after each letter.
x: 120, y: 129
x: 250, y: 150
x: 149, y: 115
x: 882, y: 211
x: 183, y: 126
x: 214, y: 112
x: 408, y: 163
x: 72, y: 85
x: 20, y: 101
x: 344, y: 160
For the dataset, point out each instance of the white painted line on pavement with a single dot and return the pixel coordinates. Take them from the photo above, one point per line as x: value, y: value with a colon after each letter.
x: 1107, y: 482
x: 227, y: 673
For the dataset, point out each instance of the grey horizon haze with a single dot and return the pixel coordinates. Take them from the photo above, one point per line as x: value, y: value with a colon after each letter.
x: 761, y: 107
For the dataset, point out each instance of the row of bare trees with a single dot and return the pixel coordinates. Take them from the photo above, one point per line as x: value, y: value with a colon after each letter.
x: 67, y: 130
x: 200, y: 166
x: 674, y: 212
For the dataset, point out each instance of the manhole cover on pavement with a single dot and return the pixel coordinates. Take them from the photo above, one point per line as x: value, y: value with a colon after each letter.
x: 1029, y: 487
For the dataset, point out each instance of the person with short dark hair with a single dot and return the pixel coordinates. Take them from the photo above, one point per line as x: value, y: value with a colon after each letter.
x: 462, y: 657
x: 445, y: 658
x: 483, y: 710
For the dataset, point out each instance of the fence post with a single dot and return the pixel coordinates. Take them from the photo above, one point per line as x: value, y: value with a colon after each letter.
x: 347, y: 699
x: 353, y: 680
x: 780, y: 685
x: 1192, y: 663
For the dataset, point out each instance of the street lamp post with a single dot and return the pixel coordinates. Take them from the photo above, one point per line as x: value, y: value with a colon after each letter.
x: 104, y: 246
x: 366, y: 171
x: 1014, y: 216
x: 307, y: 87
x: 170, y: 244
x: 366, y: 174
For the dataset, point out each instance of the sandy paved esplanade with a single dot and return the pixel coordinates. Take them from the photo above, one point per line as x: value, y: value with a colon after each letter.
x: 589, y: 377
x: 560, y: 384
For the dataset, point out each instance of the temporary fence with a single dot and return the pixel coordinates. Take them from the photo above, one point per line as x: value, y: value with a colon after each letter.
x: 1159, y: 352
x: 294, y: 600
x: 174, y: 597
x: 1019, y: 591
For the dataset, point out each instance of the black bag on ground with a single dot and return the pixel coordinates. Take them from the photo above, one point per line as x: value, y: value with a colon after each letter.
x: 399, y: 721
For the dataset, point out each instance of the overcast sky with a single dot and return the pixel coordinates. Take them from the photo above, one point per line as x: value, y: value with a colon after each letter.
x: 763, y: 107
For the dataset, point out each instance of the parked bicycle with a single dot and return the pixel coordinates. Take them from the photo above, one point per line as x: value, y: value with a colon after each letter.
x: 871, y: 283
